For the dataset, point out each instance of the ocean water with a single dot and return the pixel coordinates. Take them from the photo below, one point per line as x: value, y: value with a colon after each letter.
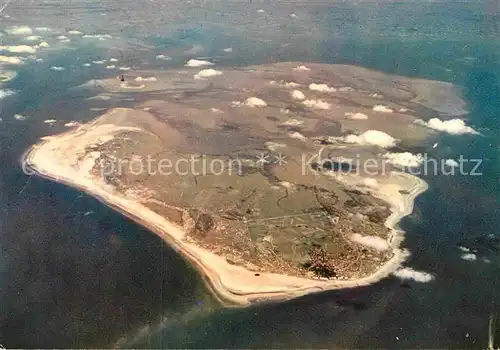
x: 75, y: 274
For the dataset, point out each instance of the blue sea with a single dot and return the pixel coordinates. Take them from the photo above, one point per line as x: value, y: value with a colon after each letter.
x: 74, y: 273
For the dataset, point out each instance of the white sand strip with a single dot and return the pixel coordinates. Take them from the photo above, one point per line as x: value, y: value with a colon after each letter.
x: 56, y: 158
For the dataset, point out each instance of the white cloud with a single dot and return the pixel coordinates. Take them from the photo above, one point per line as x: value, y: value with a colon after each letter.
x: 345, y: 89
x: 356, y: 116
x: 298, y: 136
x: 111, y: 66
x: 124, y: 68
x: 49, y: 121
x: 6, y: 76
x: 145, y: 79
x: 370, y: 137
x: 10, y: 60
x: 228, y: 49
x: 97, y: 36
x: 321, y: 88
x: 98, y: 62
x: 20, y: 117
x: 255, y: 102
x: 62, y: 37
x: 407, y: 273
x: 464, y: 249
x: 317, y: 104
x: 260, y: 11
x: 370, y: 182
x: 163, y: 57
x: 74, y: 32
x: 382, y: 108
x: 250, y: 102
x: 6, y: 92
x: 19, y: 30
x: 43, y: 29
x: 71, y: 124
x: 293, y: 122
x: 30, y: 57
x: 86, y: 64
x: 44, y: 44
x: 405, y: 159
x: 286, y: 84
x: 451, y: 163
x: 273, y: 146
x: 198, y: 63
x: 301, y: 69
x: 452, y: 126
x: 469, y: 257
x: 57, y: 68
x: 100, y: 97
x: 207, y: 73
x: 18, y: 49
x: 32, y: 38
x: 298, y: 95
x: 403, y: 110
x: 113, y: 59
x: 371, y: 241
x: 216, y: 110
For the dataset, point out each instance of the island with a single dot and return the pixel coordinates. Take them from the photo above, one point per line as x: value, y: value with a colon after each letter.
x: 274, y: 181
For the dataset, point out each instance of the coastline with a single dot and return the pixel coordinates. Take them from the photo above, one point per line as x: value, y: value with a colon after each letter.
x: 232, y: 285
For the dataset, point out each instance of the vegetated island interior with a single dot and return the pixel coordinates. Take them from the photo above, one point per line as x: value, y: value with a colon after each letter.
x: 263, y: 186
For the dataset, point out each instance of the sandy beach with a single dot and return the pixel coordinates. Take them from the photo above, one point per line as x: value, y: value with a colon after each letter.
x: 57, y: 158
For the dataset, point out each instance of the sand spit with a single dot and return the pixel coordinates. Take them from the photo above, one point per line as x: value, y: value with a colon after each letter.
x: 59, y: 158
